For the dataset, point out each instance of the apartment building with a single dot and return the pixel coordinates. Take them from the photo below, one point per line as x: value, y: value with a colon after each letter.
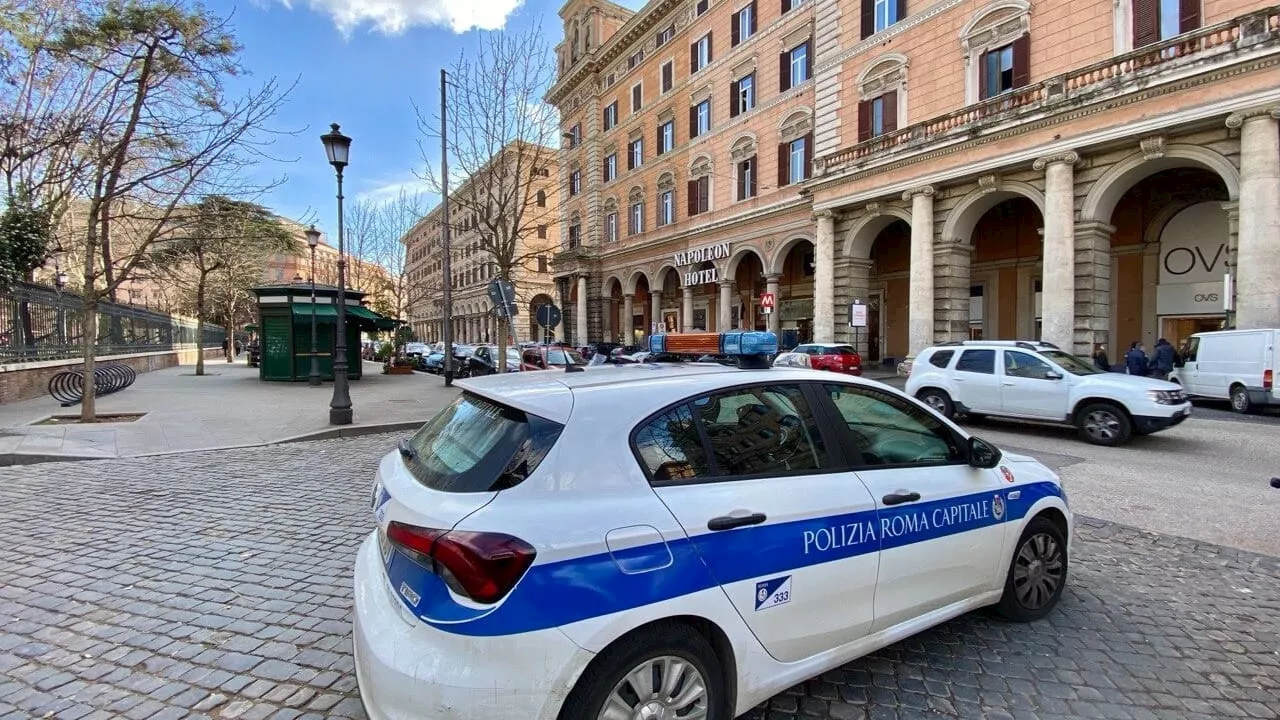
x: 473, y: 267
x: 1086, y: 172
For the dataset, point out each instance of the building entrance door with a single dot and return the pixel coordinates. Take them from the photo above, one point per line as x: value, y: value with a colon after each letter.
x: 873, y: 328
x: 1177, y: 329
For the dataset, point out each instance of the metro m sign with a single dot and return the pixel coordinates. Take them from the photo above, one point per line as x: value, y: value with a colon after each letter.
x: 766, y: 303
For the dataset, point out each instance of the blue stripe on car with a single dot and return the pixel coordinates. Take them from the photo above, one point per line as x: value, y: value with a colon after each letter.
x: 568, y: 591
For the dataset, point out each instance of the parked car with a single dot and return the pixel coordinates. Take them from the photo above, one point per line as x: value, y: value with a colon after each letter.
x: 836, y: 357
x: 483, y: 361
x: 434, y: 363
x: 415, y: 349
x: 1235, y: 365
x: 545, y: 357
x: 1037, y: 381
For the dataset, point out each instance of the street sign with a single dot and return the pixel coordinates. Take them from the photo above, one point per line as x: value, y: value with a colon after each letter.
x: 857, y: 314
x: 548, y: 316
x: 503, y: 296
x: 766, y: 303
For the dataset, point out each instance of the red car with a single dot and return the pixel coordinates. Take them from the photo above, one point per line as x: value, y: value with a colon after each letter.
x: 832, y: 356
x: 545, y: 357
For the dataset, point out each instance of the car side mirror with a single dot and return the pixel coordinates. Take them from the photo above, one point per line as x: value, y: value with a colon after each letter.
x: 1052, y: 375
x: 983, y: 454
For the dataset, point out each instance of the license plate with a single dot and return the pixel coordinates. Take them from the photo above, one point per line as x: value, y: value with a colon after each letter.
x: 384, y: 546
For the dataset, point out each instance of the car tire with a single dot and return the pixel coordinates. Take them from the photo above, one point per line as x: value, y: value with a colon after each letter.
x: 1104, y: 424
x: 1037, y: 573
x: 666, y: 647
x: 938, y: 400
x: 1240, y: 401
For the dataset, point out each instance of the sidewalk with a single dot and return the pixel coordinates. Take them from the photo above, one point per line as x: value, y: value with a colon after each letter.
x: 229, y: 407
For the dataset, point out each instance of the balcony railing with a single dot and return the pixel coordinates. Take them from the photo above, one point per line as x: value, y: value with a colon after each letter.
x: 1069, y: 88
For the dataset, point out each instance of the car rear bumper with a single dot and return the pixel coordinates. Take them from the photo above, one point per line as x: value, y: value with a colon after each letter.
x: 1262, y: 396
x: 408, y: 669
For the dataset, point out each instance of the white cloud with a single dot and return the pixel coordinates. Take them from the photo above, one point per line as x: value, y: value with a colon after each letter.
x: 395, y: 16
x: 388, y: 190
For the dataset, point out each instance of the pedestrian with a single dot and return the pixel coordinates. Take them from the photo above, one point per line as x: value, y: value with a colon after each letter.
x: 239, y: 348
x: 1135, y: 361
x: 1162, y: 363
x: 1100, y: 360
x: 224, y: 346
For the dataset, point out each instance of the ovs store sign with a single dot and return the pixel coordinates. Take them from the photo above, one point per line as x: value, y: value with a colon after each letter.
x: 1193, y: 261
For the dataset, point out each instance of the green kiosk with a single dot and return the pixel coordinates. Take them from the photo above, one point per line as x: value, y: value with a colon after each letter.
x: 284, y: 328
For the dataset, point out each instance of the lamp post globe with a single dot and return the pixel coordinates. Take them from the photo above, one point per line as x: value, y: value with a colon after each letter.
x: 313, y: 239
x: 338, y: 146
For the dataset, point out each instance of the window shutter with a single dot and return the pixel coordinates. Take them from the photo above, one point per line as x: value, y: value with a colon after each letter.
x: 710, y: 48
x: 604, y: 172
x: 755, y: 14
x: 808, y: 59
x: 1146, y: 22
x: 869, y: 18
x: 733, y: 99
x: 693, y: 58
x: 742, y: 180
x: 1022, y: 61
x: 982, y: 77
x: 891, y: 110
x: 704, y: 194
x: 784, y: 157
x: 1188, y: 15
x: 786, y: 6
x: 902, y: 9
x: 808, y: 156
x: 735, y: 22
x: 693, y: 198
x: 784, y: 72
x: 658, y: 142
x: 755, y: 171
x: 631, y: 157
x: 693, y: 122
x: 864, y: 120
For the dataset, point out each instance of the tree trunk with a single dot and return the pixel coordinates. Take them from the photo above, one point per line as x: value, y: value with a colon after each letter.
x: 200, y: 282
x: 231, y: 339
x: 89, y: 323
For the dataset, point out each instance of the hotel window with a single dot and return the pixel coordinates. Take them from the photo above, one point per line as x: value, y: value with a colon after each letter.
x: 878, y: 15
x: 575, y: 136
x: 665, y: 35
x: 636, y: 221
x: 637, y: 96
x: 575, y: 182
x: 542, y: 198
x: 795, y: 66
x: 700, y: 54
x: 575, y: 236
x: 668, y: 75
x: 789, y: 5
x: 700, y: 119
x: 878, y: 116
x: 610, y: 168
x: 542, y: 232
x: 795, y: 159
x: 742, y: 95
x: 666, y: 207
x: 747, y: 178
x: 1004, y: 68
x: 543, y: 265
x: 701, y: 7
x: 743, y: 25
x: 635, y: 60
x: 635, y: 154
x: 1156, y: 20
x: 610, y: 116
x: 611, y: 227
x: 666, y: 137
x: 699, y: 195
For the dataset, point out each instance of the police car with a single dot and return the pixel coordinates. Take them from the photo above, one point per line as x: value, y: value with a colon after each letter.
x: 681, y: 540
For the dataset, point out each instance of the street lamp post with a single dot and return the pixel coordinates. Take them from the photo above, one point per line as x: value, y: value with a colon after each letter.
x: 313, y: 239
x: 338, y: 147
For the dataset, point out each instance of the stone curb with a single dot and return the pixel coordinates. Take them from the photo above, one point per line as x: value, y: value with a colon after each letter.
x: 16, y: 458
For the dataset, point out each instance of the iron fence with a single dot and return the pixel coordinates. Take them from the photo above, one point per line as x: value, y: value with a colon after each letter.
x: 40, y: 323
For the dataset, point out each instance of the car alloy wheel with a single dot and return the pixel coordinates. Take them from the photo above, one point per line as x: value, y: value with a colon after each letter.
x: 1037, y: 571
x: 1102, y: 425
x: 936, y: 402
x: 661, y: 688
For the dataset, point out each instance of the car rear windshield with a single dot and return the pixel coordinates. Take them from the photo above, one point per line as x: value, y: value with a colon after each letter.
x: 557, y: 356
x: 843, y: 350
x: 477, y: 445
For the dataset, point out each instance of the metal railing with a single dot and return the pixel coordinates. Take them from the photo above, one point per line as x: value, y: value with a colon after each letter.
x: 39, y: 323
x: 1220, y: 39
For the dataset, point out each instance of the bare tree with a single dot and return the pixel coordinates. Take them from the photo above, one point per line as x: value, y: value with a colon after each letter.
x: 166, y: 131
x: 360, y: 241
x: 216, y: 246
x: 501, y: 138
x: 396, y: 218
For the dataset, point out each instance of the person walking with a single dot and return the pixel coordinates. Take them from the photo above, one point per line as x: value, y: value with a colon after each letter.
x: 1162, y: 363
x: 1100, y: 360
x: 1135, y: 361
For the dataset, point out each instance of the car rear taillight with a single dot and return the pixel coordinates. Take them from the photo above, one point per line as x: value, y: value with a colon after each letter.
x: 481, y: 566
x: 1266, y: 379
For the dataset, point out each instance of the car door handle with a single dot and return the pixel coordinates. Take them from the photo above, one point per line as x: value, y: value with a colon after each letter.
x: 729, y: 522
x: 1008, y: 384
x: 899, y: 498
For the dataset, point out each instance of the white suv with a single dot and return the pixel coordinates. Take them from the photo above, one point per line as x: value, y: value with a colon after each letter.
x: 1037, y: 381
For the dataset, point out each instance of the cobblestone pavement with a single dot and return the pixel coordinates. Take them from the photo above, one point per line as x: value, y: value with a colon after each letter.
x: 216, y: 585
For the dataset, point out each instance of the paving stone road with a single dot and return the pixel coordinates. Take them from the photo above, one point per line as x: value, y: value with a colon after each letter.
x: 217, y: 585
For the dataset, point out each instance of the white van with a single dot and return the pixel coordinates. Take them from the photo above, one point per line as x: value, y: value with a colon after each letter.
x: 1235, y: 365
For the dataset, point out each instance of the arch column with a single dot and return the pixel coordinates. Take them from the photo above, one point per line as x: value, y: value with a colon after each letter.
x: 920, y: 310
x: 853, y: 282
x: 951, y: 280
x: 655, y: 312
x: 724, y: 316
x: 629, y: 317
x: 1058, y: 303
x: 580, y: 332
x: 824, y: 280
x: 771, y: 286
x: 686, y: 308
x: 1093, y: 286
x: 1258, y: 265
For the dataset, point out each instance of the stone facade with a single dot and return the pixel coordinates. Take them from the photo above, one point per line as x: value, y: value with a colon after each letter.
x: 991, y: 169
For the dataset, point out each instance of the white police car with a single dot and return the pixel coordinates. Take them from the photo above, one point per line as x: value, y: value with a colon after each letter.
x: 665, y: 541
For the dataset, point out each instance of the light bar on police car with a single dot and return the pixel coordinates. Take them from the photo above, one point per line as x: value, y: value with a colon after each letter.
x: 737, y: 344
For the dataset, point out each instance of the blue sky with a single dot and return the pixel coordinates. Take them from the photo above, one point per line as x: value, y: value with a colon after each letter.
x: 361, y: 63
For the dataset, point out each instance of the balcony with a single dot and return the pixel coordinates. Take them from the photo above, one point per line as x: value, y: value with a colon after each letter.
x: 1195, y: 52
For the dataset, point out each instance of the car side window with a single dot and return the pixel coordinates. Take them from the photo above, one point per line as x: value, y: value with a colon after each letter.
x: 1193, y: 348
x: 670, y: 447
x: 977, y: 361
x: 889, y: 431
x: 761, y: 430
x: 1023, y: 365
x: 941, y: 358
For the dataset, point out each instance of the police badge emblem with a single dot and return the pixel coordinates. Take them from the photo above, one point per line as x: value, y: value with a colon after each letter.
x: 997, y: 507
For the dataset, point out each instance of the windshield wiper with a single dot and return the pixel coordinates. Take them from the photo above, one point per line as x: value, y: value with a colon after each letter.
x: 406, y: 452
